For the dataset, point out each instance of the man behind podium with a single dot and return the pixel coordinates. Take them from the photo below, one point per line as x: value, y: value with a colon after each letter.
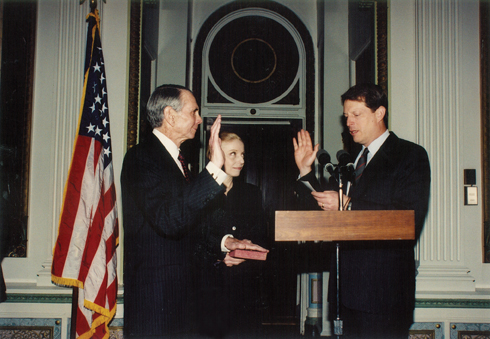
x: 377, y: 278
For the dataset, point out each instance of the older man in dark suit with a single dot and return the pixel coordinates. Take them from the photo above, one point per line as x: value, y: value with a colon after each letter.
x: 160, y: 206
x: 377, y: 286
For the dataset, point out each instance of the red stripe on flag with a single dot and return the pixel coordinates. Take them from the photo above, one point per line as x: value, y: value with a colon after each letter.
x: 108, y: 200
x: 100, y: 299
x: 105, y: 205
x: 112, y: 294
x: 82, y: 323
x: 111, y: 244
x: 70, y: 205
x: 93, y: 241
x: 97, y: 151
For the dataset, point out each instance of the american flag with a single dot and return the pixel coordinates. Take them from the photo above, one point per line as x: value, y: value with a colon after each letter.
x: 88, y: 234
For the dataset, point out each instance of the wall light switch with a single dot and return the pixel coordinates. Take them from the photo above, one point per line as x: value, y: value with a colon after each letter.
x: 471, y: 195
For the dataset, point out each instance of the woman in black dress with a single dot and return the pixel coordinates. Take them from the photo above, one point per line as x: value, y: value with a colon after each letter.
x: 231, y: 293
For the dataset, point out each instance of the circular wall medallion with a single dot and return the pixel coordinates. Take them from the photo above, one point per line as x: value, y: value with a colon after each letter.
x: 253, y: 59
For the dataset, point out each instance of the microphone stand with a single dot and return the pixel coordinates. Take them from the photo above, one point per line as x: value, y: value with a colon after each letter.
x: 338, y: 323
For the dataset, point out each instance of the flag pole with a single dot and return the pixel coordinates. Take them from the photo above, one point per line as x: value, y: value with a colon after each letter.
x: 93, y: 5
x: 74, y: 308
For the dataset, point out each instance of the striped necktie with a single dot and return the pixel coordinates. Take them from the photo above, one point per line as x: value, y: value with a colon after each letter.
x: 184, y: 167
x: 361, y: 164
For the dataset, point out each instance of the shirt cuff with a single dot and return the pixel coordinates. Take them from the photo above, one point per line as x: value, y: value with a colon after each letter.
x: 306, y: 177
x: 223, y: 248
x: 216, y: 173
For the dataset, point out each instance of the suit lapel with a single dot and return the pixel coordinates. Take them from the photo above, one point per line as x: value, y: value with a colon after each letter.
x: 379, y: 166
x: 161, y: 155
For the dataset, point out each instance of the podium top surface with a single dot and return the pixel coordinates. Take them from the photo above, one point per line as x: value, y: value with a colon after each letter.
x: 344, y: 225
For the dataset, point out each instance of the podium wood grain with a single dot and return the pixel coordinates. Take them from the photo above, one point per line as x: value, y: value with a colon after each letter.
x: 344, y: 225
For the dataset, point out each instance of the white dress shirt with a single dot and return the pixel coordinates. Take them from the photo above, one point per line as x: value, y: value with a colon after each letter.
x: 174, y: 151
x: 373, y: 148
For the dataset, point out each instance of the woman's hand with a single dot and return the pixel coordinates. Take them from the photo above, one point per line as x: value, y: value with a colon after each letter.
x: 230, y: 261
x: 245, y: 244
x: 235, y: 244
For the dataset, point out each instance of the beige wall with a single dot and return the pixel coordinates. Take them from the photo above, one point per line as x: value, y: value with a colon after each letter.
x: 434, y: 98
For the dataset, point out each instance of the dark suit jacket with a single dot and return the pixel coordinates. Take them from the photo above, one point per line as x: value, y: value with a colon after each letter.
x: 379, y: 276
x: 230, y: 298
x: 160, y: 213
x: 239, y: 213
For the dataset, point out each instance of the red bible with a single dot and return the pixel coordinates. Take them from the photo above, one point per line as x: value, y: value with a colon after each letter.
x: 246, y: 254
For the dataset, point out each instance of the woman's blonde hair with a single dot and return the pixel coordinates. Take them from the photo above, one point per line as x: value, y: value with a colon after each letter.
x: 224, y: 136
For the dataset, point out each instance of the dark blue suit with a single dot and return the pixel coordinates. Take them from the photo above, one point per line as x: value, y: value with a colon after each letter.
x: 160, y: 213
x: 378, y: 277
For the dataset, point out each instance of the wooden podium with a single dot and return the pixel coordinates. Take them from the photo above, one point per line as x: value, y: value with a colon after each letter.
x: 344, y: 225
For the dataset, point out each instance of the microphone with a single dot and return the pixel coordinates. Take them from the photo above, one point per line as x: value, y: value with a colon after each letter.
x: 345, y: 164
x: 323, y: 157
x: 344, y: 158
